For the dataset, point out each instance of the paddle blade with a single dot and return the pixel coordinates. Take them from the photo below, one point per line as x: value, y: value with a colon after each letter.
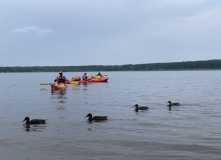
x: 75, y: 82
x: 45, y: 83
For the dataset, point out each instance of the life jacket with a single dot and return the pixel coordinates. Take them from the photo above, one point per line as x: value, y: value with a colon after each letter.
x: 84, y: 77
x: 61, y: 79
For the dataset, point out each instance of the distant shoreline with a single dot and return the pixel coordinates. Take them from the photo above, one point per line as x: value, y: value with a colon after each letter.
x: 126, y: 71
x: 173, y: 66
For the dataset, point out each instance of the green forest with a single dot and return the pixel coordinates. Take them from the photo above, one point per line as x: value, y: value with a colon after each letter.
x: 186, y: 65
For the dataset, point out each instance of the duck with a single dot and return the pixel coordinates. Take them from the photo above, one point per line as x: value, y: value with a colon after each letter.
x: 173, y: 104
x: 140, y: 108
x: 34, y: 121
x: 95, y: 118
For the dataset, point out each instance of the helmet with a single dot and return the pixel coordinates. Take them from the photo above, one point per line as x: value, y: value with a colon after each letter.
x: 60, y: 72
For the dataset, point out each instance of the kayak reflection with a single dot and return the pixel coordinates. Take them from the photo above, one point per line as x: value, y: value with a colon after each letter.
x: 59, y: 95
x: 58, y: 92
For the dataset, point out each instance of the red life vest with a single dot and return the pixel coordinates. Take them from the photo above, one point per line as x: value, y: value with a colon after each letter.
x: 84, y: 77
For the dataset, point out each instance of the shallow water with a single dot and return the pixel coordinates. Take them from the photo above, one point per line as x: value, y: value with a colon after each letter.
x: 189, y: 131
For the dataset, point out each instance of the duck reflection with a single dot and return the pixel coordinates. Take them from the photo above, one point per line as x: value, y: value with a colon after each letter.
x: 169, y: 107
x: 34, y: 128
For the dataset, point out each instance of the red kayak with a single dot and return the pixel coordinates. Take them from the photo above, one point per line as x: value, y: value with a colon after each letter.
x: 99, y: 80
x: 92, y: 80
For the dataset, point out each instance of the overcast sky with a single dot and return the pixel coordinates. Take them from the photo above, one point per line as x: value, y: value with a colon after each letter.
x: 108, y: 32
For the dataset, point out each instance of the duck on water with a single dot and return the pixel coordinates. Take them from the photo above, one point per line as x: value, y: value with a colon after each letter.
x: 142, y: 108
x: 34, y: 121
x: 173, y: 104
x: 96, y: 118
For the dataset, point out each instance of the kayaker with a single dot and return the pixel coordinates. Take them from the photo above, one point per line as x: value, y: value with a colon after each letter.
x: 99, y: 74
x: 61, y: 78
x: 85, y: 77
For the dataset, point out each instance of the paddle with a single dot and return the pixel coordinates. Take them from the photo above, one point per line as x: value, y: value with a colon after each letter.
x: 45, y: 83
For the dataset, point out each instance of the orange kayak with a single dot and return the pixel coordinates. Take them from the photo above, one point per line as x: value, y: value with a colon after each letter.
x: 58, y: 86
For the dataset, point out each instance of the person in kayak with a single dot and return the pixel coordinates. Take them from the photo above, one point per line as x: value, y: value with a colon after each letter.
x: 85, y: 77
x: 61, y: 78
x: 99, y: 74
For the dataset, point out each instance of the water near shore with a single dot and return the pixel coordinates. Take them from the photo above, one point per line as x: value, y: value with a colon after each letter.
x: 190, y: 131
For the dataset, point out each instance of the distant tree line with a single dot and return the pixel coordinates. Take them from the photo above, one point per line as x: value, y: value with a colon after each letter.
x: 187, y: 65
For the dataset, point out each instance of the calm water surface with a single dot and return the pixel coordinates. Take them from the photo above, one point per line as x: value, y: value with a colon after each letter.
x: 189, y: 131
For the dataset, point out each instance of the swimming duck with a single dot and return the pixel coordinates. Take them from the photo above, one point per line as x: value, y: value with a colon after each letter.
x: 34, y: 121
x: 140, y: 108
x: 173, y: 104
x: 96, y: 118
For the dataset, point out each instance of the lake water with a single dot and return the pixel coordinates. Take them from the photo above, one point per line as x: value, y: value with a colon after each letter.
x: 189, y: 131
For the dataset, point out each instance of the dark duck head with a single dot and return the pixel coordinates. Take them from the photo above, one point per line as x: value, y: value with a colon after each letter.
x: 34, y: 121
x: 95, y: 118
